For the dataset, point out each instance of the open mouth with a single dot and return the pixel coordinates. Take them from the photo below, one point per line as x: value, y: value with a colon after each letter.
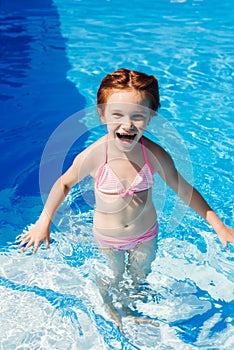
x: 126, y: 137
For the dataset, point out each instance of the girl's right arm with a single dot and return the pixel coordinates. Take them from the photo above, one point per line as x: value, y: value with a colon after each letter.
x: 39, y: 232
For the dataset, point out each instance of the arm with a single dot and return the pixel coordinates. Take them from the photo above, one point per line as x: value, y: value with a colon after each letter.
x: 193, y: 198
x: 41, y: 230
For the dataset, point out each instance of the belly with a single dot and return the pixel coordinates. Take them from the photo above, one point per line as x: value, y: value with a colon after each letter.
x: 124, y: 216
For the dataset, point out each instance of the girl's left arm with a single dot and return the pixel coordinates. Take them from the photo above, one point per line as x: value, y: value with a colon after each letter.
x: 193, y: 198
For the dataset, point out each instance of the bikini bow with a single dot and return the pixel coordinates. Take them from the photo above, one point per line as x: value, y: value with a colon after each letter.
x: 128, y: 192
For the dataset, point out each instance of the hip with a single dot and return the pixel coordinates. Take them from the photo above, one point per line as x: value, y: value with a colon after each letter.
x: 124, y: 243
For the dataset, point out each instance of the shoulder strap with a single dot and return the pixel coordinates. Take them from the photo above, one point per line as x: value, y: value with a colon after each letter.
x: 145, y: 155
x: 99, y: 173
x: 106, y: 148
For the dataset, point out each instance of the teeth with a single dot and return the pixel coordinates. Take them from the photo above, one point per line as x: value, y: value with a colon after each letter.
x: 127, y: 136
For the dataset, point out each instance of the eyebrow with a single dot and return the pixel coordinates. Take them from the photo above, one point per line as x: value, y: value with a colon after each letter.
x: 117, y: 110
x: 122, y: 110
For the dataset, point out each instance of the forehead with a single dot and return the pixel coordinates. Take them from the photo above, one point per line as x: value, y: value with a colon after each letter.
x: 127, y: 97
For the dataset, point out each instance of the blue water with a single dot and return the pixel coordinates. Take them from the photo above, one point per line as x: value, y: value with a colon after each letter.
x: 53, y: 56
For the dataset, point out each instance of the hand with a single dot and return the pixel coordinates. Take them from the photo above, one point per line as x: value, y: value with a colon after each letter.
x: 36, y: 234
x: 226, y: 235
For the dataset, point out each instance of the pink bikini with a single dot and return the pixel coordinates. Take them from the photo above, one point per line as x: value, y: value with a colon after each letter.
x: 108, y: 182
x: 124, y: 243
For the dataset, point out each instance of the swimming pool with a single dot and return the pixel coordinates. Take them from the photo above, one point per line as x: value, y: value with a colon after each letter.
x: 53, y: 57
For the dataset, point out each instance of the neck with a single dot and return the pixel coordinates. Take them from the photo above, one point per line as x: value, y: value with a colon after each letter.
x: 115, y: 152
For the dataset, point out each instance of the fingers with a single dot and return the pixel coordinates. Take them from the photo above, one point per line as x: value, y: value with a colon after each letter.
x: 25, y: 239
x: 36, y: 246
x: 224, y: 243
x: 47, y: 243
x: 30, y: 243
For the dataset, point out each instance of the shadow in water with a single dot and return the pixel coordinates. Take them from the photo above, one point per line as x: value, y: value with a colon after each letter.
x: 35, y: 95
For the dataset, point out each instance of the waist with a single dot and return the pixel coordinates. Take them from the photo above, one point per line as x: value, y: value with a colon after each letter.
x: 127, y: 223
x: 124, y: 243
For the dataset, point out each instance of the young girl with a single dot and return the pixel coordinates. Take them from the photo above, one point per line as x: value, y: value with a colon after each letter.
x: 122, y: 165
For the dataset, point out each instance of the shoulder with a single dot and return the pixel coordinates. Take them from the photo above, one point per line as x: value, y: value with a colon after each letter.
x: 84, y: 164
x: 159, y: 158
x: 92, y: 157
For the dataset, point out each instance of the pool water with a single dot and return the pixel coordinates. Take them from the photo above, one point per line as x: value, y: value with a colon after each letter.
x: 53, y: 56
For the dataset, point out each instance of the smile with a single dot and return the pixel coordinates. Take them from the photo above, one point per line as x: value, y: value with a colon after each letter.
x: 127, y: 137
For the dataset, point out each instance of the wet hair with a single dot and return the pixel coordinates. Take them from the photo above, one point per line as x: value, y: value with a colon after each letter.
x: 123, y: 79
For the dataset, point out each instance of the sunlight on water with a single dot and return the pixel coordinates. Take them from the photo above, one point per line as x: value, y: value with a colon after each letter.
x: 51, y: 300
x: 53, y: 294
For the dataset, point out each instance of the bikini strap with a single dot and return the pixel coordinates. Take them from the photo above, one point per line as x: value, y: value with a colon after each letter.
x: 145, y: 155
x: 106, y: 147
x: 104, y: 163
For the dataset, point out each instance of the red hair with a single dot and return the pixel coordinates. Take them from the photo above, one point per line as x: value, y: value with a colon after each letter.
x: 123, y: 79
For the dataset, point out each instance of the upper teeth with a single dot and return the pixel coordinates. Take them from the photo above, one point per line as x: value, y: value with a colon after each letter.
x: 126, y: 134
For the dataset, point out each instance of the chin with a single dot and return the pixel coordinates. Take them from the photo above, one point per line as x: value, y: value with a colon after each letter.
x: 126, y: 146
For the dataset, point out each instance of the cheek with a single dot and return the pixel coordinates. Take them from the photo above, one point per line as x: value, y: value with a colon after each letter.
x: 108, y: 121
x: 142, y: 124
x: 111, y: 124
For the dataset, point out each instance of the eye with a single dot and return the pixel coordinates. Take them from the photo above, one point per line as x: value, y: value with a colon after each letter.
x: 138, y: 117
x: 117, y: 115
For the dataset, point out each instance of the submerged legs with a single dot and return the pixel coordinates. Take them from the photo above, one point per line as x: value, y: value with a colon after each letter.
x: 109, y: 286
x: 126, y: 285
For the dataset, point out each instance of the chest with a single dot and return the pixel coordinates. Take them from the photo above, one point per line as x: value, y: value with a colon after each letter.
x: 124, y: 171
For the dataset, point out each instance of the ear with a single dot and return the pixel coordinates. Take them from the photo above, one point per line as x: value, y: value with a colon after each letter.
x: 149, y: 120
x: 103, y: 119
x: 101, y: 115
x: 151, y: 116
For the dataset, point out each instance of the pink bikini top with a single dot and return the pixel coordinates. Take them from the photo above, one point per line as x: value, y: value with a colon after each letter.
x: 108, y: 182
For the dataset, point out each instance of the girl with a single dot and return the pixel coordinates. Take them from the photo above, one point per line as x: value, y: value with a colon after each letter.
x: 122, y: 165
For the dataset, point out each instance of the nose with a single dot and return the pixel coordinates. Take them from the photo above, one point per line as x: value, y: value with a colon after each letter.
x: 128, y: 127
x: 128, y: 124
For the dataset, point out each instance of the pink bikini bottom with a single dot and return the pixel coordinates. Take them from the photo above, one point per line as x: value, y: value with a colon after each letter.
x: 124, y: 243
